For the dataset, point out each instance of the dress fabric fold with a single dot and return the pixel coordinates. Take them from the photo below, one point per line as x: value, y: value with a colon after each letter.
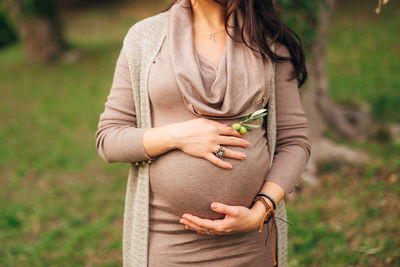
x: 240, y: 75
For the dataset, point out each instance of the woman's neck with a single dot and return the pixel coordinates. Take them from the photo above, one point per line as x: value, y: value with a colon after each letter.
x: 208, y: 14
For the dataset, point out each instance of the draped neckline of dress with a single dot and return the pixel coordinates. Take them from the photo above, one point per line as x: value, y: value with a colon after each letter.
x: 240, y: 75
x: 204, y: 59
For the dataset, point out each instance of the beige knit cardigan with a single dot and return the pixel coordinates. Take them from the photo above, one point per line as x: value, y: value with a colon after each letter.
x: 143, y: 41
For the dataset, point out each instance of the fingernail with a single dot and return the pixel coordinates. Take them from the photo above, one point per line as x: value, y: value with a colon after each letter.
x: 213, y: 206
x: 243, y: 156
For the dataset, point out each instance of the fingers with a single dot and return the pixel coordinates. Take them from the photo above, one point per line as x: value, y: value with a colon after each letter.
x: 227, y: 153
x: 234, y: 141
x: 228, y: 130
x: 222, y: 208
x: 200, y: 225
x: 226, y: 135
x: 233, y: 211
x: 192, y: 226
x: 217, y: 161
x: 224, y: 128
x: 234, y: 154
x: 204, y: 223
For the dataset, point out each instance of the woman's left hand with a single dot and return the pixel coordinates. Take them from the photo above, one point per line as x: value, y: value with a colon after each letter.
x: 237, y: 219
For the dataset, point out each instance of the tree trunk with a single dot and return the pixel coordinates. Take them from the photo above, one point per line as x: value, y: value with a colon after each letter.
x: 330, y: 111
x: 322, y: 111
x: 41, y: 36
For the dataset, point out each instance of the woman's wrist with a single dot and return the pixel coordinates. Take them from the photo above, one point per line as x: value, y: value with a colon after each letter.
x: 172, y: 139
x: 258, y: 212
x: 158, y: 140
x: 273, y: 190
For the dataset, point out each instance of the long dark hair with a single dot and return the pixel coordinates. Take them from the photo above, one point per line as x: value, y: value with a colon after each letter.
x: 261, y: 21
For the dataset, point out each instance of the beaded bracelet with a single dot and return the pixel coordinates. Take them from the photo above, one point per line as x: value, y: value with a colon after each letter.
x: 270, y: 214
x: 268, y: 209
x: 269, y: 197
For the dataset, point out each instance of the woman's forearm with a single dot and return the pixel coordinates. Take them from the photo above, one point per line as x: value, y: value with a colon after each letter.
x: 276, y: 192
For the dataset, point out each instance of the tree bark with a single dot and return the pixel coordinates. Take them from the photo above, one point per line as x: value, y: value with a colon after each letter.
x: 41, y: 36
x: 322, y: 111
x: 319, y: 85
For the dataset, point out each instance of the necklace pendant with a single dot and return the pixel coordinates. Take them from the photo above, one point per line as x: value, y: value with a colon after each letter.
x: 212, y: 37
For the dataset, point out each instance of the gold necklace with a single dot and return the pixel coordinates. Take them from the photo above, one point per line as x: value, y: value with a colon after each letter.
x: 211, y: 34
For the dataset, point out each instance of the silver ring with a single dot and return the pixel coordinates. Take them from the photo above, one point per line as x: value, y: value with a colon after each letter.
x: 208, y: 231
x: 220, y: 151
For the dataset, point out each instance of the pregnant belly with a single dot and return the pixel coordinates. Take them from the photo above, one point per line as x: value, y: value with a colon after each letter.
x: 189, y: 184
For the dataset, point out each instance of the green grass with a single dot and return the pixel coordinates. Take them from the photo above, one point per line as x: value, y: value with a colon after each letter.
x: 352, y: 218
x: 364, y: 57
x: 61, y: 205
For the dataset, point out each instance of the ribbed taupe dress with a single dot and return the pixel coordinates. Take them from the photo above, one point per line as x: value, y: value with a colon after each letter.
x: 180, y: 183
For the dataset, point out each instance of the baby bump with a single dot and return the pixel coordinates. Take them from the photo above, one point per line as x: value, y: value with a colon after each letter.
x: 190, y: 184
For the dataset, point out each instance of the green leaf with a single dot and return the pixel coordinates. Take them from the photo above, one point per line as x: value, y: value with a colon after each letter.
x: 255, y: 113
x: 244, y: 118
x: 259, y: 116
x: 250, y: 126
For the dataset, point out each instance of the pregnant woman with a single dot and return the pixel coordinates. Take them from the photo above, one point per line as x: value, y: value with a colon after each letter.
x: 182, y: 79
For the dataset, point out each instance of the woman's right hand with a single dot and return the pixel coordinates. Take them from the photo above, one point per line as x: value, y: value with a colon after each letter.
x: 201, y: 137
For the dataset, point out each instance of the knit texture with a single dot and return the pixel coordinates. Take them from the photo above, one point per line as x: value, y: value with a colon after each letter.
x: 142, y: 42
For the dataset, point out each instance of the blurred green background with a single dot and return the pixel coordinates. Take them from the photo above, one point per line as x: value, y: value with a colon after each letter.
x: 61, y: 205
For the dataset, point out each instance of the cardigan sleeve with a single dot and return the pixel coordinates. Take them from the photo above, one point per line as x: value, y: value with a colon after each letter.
x: 117, y: 138
x: 292, y: 145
